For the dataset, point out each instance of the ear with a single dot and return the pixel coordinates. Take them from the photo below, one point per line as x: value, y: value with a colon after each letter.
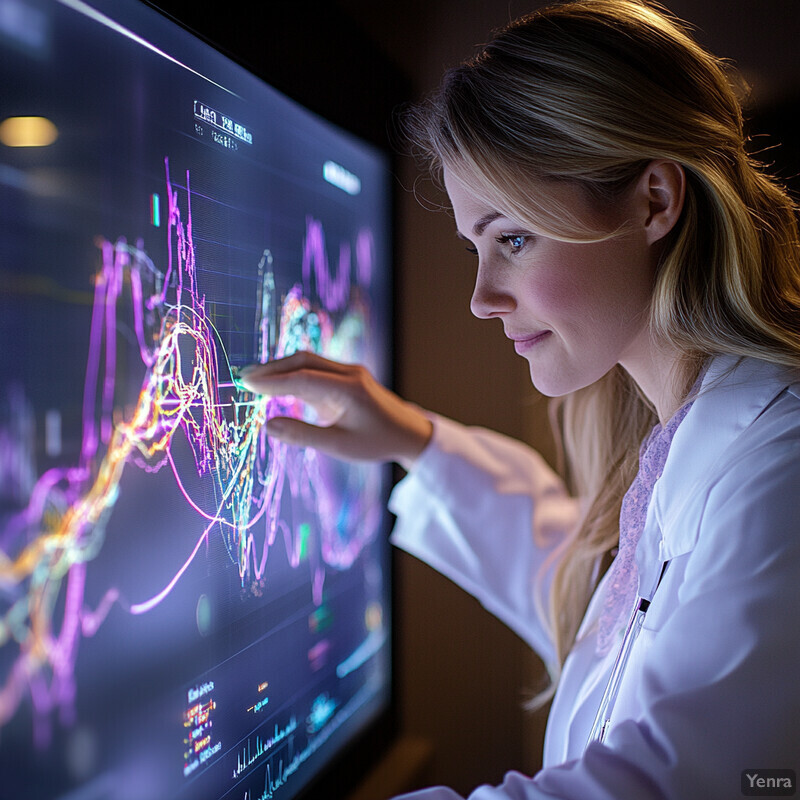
x: 661, y: 189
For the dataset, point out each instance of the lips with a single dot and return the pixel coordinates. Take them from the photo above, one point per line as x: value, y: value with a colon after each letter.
x: 523, y: 343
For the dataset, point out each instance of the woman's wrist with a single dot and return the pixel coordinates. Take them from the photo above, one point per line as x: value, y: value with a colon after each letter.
x: 420, y: 433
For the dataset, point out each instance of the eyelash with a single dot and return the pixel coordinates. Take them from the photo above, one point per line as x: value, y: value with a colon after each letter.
x: 506, y: 239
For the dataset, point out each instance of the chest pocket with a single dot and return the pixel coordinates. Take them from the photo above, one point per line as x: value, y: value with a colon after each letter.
x: 665, y: 600
x: 663, y: 605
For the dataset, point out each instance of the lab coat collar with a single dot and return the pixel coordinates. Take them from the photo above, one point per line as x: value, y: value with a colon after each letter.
x: 734, y: 393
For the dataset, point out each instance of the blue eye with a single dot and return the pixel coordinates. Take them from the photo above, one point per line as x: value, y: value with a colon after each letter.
x: 515, y: 241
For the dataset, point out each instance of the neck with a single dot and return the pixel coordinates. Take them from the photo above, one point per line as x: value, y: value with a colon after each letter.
x: 662, y: 374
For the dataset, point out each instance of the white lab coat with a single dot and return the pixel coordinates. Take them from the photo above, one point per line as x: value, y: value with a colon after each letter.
x: 713, y: 684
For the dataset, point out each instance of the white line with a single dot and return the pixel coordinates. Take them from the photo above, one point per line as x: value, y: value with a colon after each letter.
x: 88, y: 11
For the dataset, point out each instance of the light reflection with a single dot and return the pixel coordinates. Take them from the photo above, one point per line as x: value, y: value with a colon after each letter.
x: 28, y: 132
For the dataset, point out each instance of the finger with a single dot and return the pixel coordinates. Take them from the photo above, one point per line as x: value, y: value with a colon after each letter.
x: 311, y: 386
x: 331, y: 440
x: 302, y: 359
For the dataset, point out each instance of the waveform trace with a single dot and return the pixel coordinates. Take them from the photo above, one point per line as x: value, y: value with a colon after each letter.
x: 69, y: 510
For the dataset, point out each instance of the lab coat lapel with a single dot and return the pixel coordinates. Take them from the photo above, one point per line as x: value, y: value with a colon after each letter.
x: 734, y: 392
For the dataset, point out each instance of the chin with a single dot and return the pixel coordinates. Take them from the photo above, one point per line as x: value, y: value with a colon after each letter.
x: 550, y: 385
x: 561, y: 382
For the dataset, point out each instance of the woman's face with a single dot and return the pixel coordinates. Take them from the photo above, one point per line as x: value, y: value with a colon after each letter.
x: 573, y: 310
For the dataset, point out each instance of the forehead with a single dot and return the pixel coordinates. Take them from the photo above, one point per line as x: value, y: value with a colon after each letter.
x: 470, y: 206
x: 563, y: 210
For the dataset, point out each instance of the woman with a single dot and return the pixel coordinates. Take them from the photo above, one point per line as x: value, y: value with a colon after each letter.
x: 650, y: 275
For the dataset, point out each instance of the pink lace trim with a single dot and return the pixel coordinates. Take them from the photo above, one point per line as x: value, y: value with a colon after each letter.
x: 623, y: 579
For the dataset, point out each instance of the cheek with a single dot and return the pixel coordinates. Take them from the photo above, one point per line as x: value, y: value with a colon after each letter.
x: 584, y: 286
x: 554, y: 298
x: 559, y: 291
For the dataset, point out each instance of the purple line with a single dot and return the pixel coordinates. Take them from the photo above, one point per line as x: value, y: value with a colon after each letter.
x: 148, y: 358
x: 171, y: 210
x: 90, y: 439
x: 92, y: 620
x: 113, y: 269
x: 333, y: 292
x: 365, y: 248
x: 240, y: 457
x: 141, y: 608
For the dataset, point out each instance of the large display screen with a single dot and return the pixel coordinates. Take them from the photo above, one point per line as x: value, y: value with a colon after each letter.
x: 188, y: 608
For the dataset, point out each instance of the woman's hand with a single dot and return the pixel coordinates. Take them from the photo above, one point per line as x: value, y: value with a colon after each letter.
x: 359, y: 420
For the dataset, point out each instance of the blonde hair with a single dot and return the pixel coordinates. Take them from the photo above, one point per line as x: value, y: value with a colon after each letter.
x: 590, y: 92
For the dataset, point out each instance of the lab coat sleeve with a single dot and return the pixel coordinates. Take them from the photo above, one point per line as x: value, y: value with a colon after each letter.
x: 486, y: 511
x: 717, y: 683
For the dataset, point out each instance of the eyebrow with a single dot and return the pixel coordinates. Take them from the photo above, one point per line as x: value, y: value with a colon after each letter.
x: 480, y: 226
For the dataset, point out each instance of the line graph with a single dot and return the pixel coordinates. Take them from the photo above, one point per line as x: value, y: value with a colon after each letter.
x: 188, y: 392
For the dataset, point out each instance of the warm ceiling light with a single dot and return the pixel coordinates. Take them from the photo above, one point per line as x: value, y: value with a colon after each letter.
x: 27, y: 132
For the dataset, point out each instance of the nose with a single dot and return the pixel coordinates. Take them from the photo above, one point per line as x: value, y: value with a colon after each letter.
x: 490, y: 298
